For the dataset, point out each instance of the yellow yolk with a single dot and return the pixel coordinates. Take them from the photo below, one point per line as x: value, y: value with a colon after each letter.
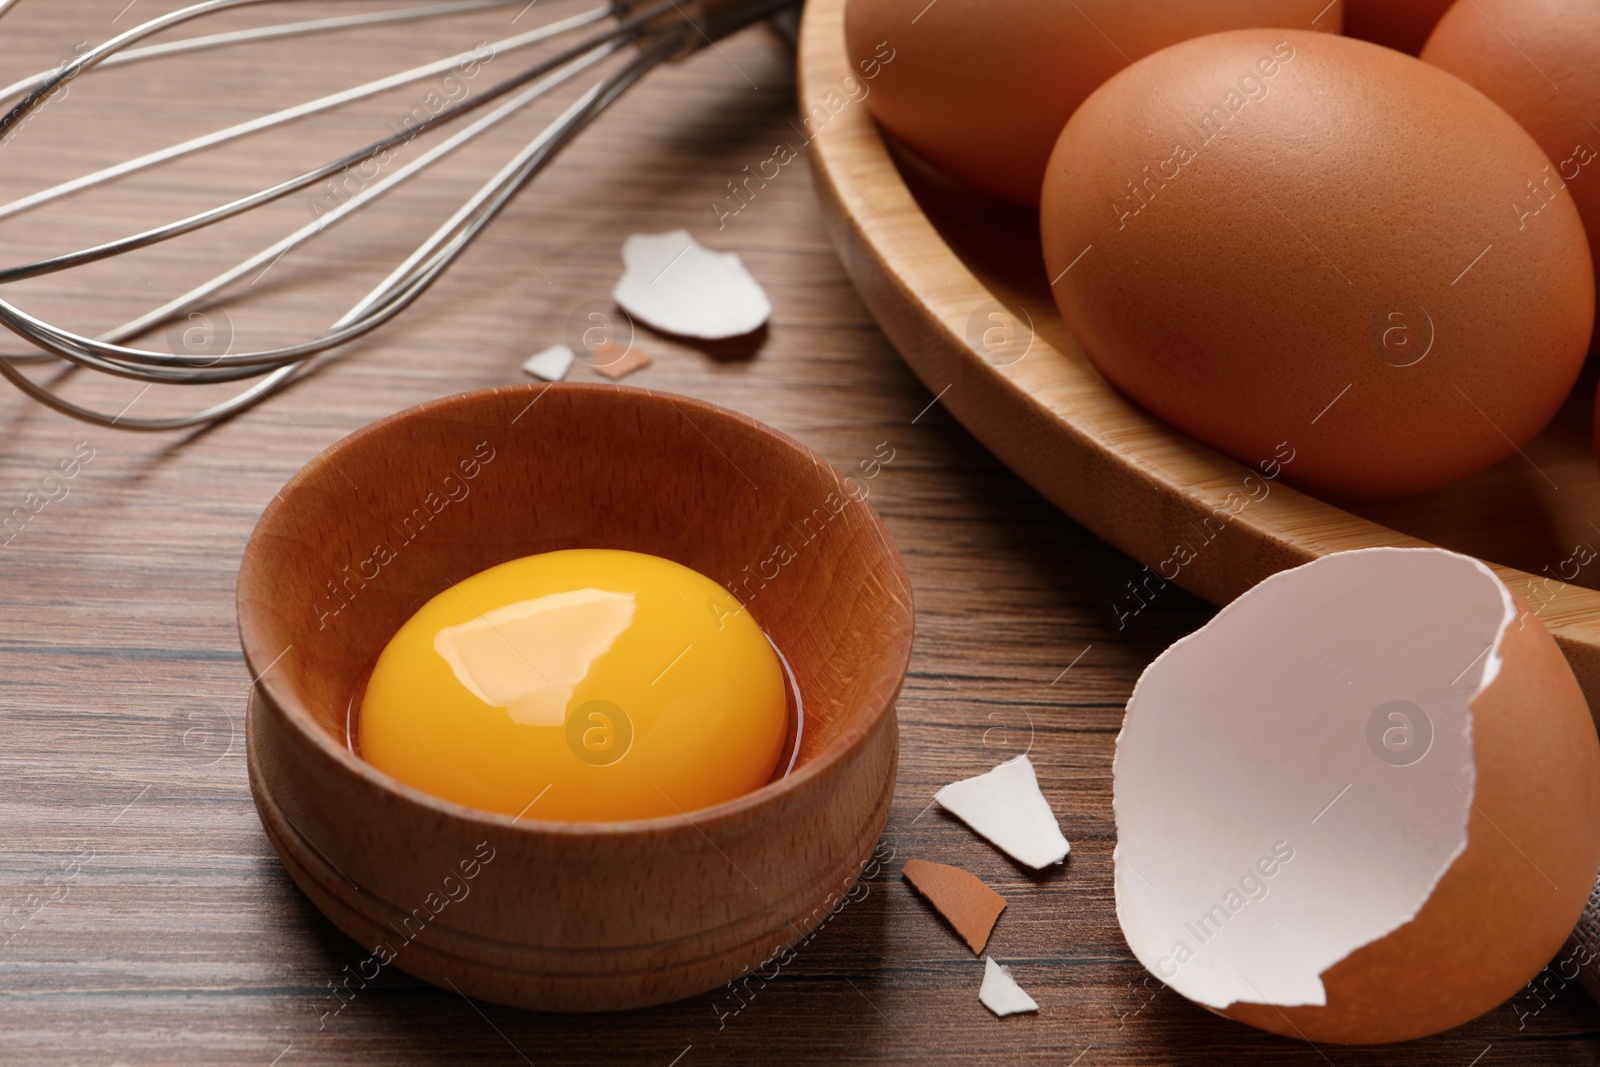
x: 578, y: 686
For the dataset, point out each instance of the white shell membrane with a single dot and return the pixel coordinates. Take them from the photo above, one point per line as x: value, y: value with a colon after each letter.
x: 1292, y: 780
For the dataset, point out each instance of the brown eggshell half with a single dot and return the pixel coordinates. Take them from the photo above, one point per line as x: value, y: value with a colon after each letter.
x: 1510, y: 900
x: 1400, y: 892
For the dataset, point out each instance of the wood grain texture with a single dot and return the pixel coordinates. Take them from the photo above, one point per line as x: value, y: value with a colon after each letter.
x: 146, y: 917
x: 943, y: 268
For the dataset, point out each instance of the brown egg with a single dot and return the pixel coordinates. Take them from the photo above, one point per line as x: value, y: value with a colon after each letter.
x: 1306, y: 241
x: 1540, y: 60
x: 981, y: 88
x: 1400, y: 24
x: 1358, y: 805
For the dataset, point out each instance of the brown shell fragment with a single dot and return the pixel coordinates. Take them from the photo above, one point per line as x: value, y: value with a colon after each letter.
x: 960, y: 896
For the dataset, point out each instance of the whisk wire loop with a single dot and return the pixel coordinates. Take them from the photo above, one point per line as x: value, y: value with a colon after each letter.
x: 661, y: 30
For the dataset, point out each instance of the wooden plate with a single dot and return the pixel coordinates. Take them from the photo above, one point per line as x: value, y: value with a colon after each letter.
x: 957, y: 281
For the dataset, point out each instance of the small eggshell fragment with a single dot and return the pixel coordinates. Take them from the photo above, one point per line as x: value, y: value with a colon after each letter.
x: 960, y: 896
x: 1403, y: 25
x: 676, y: 285
x: 1541, y: 62
x: 1358, y: 805
x: 620, y: 367
x: 1006, y: 806
x: 1308, y: 242
x: 1000, y: 992
x: 551, y: 365
x: 981, y: 88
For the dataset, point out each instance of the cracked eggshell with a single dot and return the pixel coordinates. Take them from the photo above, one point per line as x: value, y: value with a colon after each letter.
x: 1006, y: 806
x: 967, y: 904
x: 1360, y: 804
x: 551, y: 365
x: 1000, y: 992
x: 673, y: 283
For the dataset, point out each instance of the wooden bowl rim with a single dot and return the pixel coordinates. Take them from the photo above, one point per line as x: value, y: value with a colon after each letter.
x: 277, y: 698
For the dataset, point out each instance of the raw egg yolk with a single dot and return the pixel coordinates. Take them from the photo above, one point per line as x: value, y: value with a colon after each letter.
x: 581, y: 686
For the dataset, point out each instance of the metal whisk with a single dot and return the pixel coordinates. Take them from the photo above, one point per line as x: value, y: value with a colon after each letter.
x: 654, y: 30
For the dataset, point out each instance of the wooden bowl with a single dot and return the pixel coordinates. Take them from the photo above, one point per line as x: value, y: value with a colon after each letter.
x: 958, y: 283
x: 568, y: 916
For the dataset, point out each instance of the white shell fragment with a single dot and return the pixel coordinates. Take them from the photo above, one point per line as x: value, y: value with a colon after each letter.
x: 1006, y: 807
x: 551, y: 365
x: 676, y: 285
x: 1000, y: 992
x: 1292, y: 780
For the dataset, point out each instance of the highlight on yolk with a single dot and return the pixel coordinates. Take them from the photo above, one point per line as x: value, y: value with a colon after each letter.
x: 576, y: 686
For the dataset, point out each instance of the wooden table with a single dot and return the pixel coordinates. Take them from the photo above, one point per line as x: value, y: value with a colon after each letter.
x: 144, y: 918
